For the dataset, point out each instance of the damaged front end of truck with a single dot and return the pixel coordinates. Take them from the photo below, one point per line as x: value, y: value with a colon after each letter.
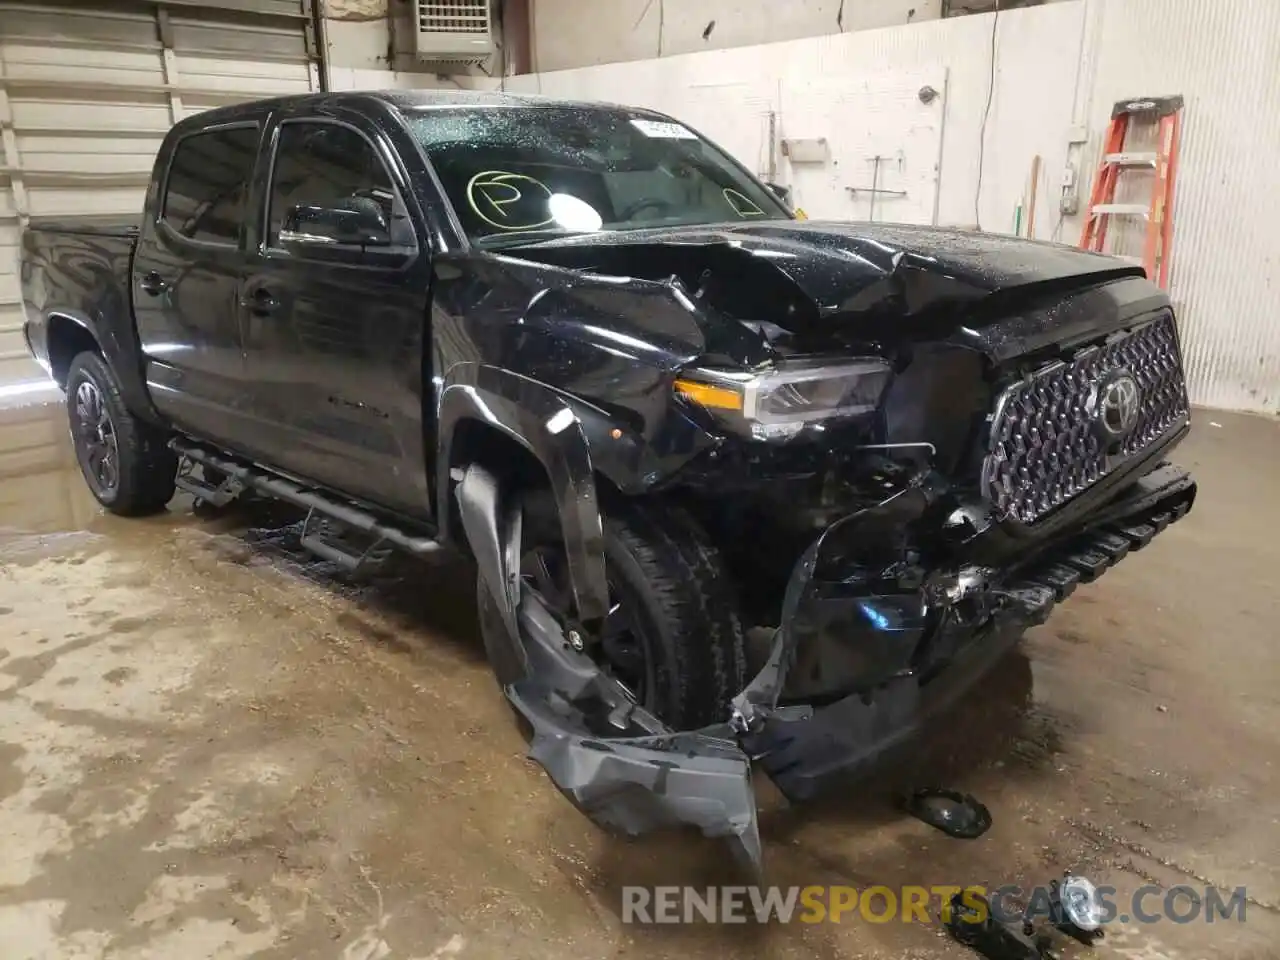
x: 984, y: 482
x: 934, y: 635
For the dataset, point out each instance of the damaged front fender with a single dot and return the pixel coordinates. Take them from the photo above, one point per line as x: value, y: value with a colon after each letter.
x: 616, y: 761
x: 540, y: 420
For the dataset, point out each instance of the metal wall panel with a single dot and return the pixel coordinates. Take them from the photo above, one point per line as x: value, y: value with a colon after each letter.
x: 253, y: 42
x: 87, y: 92
x: 1222, y: 57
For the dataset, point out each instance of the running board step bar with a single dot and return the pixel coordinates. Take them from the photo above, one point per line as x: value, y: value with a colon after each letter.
x: 318, y: 504
x: 319, y: 538
x: 216, y: 496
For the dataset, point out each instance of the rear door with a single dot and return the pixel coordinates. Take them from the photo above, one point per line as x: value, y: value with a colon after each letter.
x: 334, y: 330
x: 186, y: 278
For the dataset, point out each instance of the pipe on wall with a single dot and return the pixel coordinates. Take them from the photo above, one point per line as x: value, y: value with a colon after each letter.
x: 516, y: 17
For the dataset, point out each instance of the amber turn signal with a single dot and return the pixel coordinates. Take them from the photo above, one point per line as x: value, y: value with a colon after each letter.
x: 717, y: 398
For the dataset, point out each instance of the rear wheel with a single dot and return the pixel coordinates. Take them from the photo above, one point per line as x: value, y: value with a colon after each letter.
x: 672, y: 637
x: 125, y: 461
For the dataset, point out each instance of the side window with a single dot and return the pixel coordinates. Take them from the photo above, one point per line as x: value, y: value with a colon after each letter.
x: 327, y: 165
x: 208, y: 184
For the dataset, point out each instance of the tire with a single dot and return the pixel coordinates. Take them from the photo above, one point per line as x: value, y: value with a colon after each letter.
x: 660, y: 566
x: 136, y: 475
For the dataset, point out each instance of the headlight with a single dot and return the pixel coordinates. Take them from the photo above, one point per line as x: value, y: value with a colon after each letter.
x: 781, y: 402
x: 1080, y: 904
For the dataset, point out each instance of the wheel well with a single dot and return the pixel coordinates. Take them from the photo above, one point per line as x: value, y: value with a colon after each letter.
x: 67, y: 339
x: 475, y: 441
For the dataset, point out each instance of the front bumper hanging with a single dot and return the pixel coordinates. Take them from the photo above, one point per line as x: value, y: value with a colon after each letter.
x: 627, y: 770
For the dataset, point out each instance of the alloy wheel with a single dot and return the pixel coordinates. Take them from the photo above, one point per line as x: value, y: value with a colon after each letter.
x: 96, y: 444
x: 622, y: 651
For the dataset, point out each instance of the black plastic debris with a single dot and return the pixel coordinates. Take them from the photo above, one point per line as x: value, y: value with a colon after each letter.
x: 976, y: 926
x: 956, y: 814
x: 1075, y: 911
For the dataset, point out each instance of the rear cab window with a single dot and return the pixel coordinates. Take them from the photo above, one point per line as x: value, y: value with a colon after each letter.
x: 206, y: 190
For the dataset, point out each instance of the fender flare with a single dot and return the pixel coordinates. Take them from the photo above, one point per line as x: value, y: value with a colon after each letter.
x: 125, y: 359
x: 544, y: 422
x: 55, y: 315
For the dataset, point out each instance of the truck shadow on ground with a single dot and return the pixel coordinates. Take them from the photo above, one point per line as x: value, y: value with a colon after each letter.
x: 400, y: 605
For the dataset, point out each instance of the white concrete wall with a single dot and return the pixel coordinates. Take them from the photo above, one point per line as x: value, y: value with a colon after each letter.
x: 577, y: 33
x: 1037, y: 55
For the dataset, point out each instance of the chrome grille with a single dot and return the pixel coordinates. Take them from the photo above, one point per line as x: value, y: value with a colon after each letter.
x: 1044, y: 446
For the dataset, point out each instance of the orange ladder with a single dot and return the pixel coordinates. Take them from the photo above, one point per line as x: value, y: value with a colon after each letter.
x: 1167, y: 111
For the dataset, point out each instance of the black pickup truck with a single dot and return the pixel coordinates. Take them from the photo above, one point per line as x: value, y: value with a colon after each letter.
x: 740, y: 487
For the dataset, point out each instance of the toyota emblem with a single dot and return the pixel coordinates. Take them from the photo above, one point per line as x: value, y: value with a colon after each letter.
x: 1118, y: 406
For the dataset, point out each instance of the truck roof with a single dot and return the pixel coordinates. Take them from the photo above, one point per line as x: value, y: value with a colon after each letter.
x: 400, y: 100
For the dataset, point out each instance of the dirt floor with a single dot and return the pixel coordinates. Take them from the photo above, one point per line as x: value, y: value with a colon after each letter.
x: 212, y: 747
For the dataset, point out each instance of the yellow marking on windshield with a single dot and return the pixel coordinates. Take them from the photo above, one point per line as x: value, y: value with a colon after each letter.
x: 496, y: 190
x: 742, y: 205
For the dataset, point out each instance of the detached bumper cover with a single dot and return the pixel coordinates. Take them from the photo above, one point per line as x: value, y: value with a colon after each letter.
x: 640, y: 784
x: 626, y: 770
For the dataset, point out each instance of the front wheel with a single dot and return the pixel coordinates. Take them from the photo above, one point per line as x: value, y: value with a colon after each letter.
x: 125, y: 461
x: 672, y: 637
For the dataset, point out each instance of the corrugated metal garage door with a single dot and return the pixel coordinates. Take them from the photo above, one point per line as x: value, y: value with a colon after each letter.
x: 88, y: 89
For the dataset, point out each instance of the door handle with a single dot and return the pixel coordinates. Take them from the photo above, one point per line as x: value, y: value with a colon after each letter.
x: 152, y: 284
x: 260, y: 302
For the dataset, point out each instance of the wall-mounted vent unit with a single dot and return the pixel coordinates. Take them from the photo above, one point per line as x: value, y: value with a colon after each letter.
x: 453, y: 32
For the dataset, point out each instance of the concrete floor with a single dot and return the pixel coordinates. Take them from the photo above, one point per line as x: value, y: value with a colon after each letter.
x: 211, y: 747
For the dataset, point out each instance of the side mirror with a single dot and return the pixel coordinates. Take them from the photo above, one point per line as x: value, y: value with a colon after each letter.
x: 783, y: 193
x: 353, y: 221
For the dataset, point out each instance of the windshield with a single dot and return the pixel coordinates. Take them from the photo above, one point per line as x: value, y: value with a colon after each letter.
x: 517, y: 174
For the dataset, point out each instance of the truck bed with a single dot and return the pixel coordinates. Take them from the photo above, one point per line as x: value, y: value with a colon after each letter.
x: 77, y: 271
x: 101, y: 226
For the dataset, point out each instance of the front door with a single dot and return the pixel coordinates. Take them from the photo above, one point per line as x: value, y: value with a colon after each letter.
x: 334, y: 324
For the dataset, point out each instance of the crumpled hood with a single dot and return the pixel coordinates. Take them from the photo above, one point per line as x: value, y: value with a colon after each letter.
x: 858, y: 267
